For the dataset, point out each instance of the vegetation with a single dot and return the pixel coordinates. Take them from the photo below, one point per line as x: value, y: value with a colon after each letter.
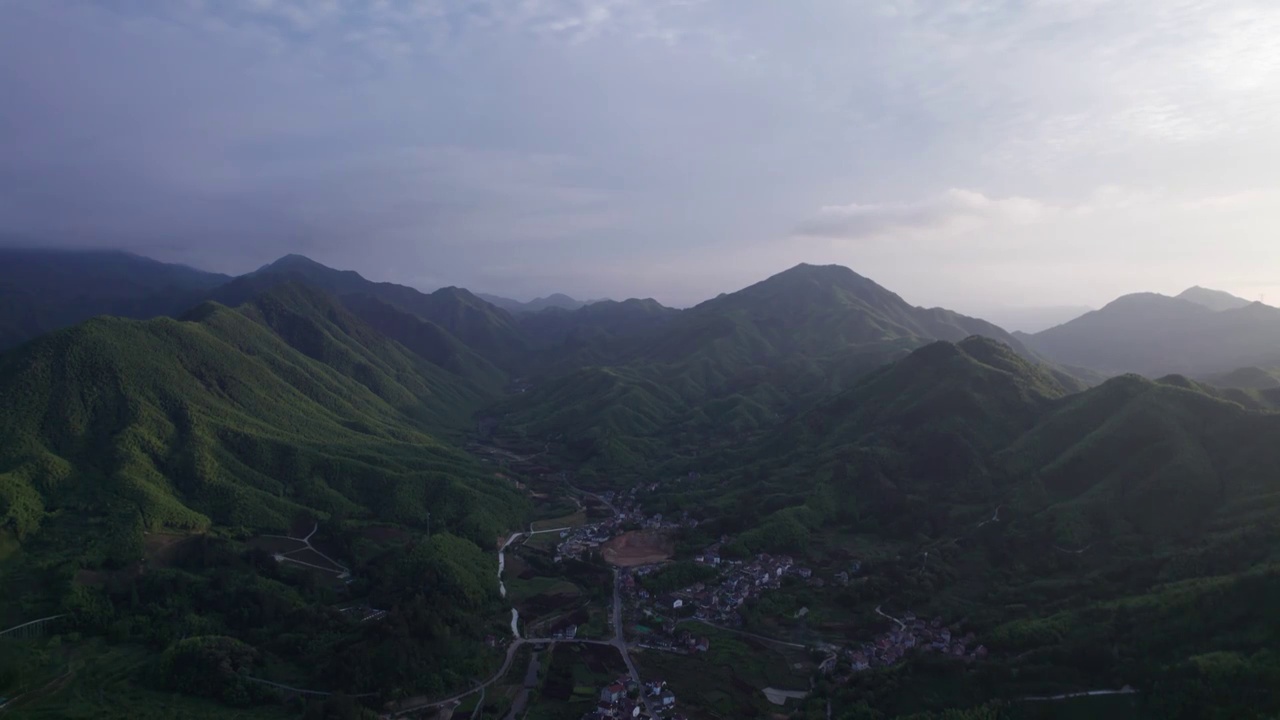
x: 155, y: 477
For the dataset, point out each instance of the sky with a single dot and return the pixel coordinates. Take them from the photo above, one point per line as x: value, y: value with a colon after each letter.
x: 980, y: 155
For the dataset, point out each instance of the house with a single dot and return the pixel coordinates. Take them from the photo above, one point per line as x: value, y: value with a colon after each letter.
x: 677, y: 604
x: 842, y: 578
x: 860, y: 662
x: 703, y: 645
x: 571, y: 632
x: 828, y: 665
x: 654, y: 687
x: 666, y: 699
x: 613, y: 693
x: 805, y: 573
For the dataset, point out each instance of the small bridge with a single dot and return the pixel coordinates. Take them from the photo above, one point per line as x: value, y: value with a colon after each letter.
x: 33, y: 629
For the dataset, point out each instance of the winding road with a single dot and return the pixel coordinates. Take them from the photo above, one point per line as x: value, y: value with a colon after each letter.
x: 901, y: 625
x: 619, y: 642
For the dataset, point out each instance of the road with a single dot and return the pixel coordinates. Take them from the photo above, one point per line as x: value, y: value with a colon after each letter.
x: 901, y: 625
x: 420, y: 704
x: 1126, y: 690
x: 620, y: 641
x: 342, y: 570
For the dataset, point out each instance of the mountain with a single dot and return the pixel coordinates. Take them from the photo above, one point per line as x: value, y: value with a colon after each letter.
x: 594, y: 333
x: 1156, y: 335
x: 226, y: 417
x: 825, y: 308
x: 145, y: 467
x: 1249, y: 378
x: 44, y: 290
x: 556, y: 300
x: 488, y: 331
x: 1082, y: 535
x: 736, y: 364
x: 1216, y: 300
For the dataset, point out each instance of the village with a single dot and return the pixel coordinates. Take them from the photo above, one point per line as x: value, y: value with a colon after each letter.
x: 657, y: 619
x: 625, y: 699
x: 912, y: 633
x: 576, y: 543
x: 715, y: 601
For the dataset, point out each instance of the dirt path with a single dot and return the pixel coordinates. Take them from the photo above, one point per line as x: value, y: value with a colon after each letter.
x: 901, y: 625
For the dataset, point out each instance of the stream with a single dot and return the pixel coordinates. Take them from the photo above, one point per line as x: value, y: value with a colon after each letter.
x: 502, y: 586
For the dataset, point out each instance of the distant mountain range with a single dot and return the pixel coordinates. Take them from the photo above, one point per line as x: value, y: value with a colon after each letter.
x: 557, y: 300
x: 1199, y: 332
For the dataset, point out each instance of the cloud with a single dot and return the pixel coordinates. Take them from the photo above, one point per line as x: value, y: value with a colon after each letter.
x: 618, y: 139
x: 954, y: 209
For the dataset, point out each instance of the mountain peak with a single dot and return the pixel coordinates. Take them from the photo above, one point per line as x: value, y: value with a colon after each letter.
x: 819, y: 272
x: 293, y: 261
x: 1216, y: 300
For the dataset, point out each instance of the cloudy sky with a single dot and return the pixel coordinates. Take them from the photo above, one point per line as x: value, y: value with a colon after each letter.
x: 974, y: 154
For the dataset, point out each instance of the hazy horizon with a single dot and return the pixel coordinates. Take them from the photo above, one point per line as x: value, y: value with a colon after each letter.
x: 974, y: 157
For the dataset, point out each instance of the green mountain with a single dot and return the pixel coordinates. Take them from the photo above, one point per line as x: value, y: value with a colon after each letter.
x: 1155, y: 335
x: 1090, y: 534
x: 1090, y: 538
x: 144, y: 466
x: 599, y: 333
x: 487, y: 330
x: 231, y: 417
x: 44, y: 290
x: 739, y: 363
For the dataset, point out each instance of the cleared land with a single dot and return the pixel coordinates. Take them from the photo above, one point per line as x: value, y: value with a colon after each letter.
x: 640, y: 547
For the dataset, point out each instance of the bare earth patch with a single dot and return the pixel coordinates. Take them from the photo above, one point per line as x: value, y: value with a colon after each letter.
x: 160, y: 548
x: 639, y: 547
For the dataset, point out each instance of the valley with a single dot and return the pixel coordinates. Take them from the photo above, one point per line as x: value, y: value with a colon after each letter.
x: 310, y: 494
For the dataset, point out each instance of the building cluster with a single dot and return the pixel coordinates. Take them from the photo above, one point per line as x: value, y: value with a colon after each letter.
x: 912, y: 634
x: 580, y: 541
x: 716, y: 601
x: 623, y: 698
x: 674, y: 639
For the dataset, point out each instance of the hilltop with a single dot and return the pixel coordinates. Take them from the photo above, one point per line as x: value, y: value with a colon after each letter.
x: 1216, y: 300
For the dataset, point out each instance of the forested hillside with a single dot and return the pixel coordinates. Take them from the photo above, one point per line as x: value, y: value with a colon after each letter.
x: 1086, y: 536
x: 735, y: 364
x: 224, y: 427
